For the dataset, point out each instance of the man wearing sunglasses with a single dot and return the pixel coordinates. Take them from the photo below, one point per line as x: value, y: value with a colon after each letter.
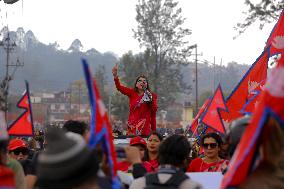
x: 18, y: 149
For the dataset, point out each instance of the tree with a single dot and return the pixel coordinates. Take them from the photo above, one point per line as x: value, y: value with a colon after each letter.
x: 160, y: 31
x: 204, y: 96
x: 101, y: 80
x: 119, y: 104
x: 265, y: 11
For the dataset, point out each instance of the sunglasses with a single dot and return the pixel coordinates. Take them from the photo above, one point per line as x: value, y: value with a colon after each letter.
x: 212, y: 145
x: 24, y: 151
x: 142, y: 81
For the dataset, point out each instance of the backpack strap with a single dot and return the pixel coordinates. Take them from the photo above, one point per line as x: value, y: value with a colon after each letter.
x: 177, y: 178
x: 152, y: 179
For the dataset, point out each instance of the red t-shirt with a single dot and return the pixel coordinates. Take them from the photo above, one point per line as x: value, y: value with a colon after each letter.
x: 124, y: 166
x: 154, y: 165
x: 198, y: 165
x: 142, y: 116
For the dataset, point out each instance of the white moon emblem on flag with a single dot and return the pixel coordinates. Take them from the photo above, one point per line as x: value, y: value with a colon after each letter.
x: 278, y: 42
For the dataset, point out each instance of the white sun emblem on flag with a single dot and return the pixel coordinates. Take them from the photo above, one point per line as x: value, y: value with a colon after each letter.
x: 252, y: 85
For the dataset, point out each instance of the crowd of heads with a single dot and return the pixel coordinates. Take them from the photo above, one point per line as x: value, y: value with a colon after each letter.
x: 68, y: 162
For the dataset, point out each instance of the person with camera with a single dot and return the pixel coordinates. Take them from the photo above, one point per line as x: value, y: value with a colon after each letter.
x: 142, y: 105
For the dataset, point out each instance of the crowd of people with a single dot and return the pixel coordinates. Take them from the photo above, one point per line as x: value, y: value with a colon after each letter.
x: 65, y: 161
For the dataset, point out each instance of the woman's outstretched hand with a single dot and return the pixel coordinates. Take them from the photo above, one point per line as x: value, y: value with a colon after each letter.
x: 114, y: 70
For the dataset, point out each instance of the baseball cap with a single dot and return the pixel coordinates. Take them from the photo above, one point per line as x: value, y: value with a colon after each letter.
x: 138, y: 140
x: 16, y: 143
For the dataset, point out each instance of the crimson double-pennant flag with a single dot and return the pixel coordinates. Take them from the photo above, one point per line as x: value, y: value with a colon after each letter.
x: 268, y: 115
x: 211, y: 117
x: 100, y: 128
x: 276, y: 39
x: 245, y: 95
x: 23, y: 125
x: 194, y: 124
x: 267, y: 120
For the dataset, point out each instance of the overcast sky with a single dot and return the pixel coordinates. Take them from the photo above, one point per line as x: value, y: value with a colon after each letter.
x: 106, y: 25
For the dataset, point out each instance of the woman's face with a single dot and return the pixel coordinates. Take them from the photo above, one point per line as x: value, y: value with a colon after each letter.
x: 153, y: 143
x: 141, y: 82
x: 211, y: 147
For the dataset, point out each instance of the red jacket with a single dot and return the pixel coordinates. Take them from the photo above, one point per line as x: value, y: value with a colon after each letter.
x: 124, y: 166
x: 142, y: 117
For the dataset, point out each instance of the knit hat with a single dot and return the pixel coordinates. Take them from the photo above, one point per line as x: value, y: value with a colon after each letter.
x: 138, y: 141
x: 67, y: 162
x: 16, y: 143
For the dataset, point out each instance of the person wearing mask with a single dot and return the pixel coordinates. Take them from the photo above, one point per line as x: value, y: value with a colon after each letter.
x: 142, y: 105
x: 211, y: 162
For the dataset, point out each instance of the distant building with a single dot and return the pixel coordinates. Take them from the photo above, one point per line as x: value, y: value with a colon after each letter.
x: 187, y: 114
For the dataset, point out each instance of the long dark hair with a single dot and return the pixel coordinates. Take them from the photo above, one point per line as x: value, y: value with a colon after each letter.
x: 146, y: 154
x: 141, y: 76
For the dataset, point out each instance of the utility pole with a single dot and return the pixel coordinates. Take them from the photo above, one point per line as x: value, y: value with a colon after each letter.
x: 196, y: 81
x: 70, y: 100
x: 8, y: 47
x: 220, y: 71
x: 196, y: 77
x: 80, y: 98
x: 109, y: 106
x: 214, y: 75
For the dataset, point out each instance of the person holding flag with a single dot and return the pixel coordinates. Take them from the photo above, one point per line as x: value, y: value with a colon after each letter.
x: 142, y: 105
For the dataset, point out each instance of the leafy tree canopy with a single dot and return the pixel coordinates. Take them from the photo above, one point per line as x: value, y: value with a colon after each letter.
x: 263, y: 11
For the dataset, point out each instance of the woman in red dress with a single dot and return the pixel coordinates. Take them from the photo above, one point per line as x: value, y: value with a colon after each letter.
x: 151, y: 153
x: 211, y: 162
x: 142, y: 105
